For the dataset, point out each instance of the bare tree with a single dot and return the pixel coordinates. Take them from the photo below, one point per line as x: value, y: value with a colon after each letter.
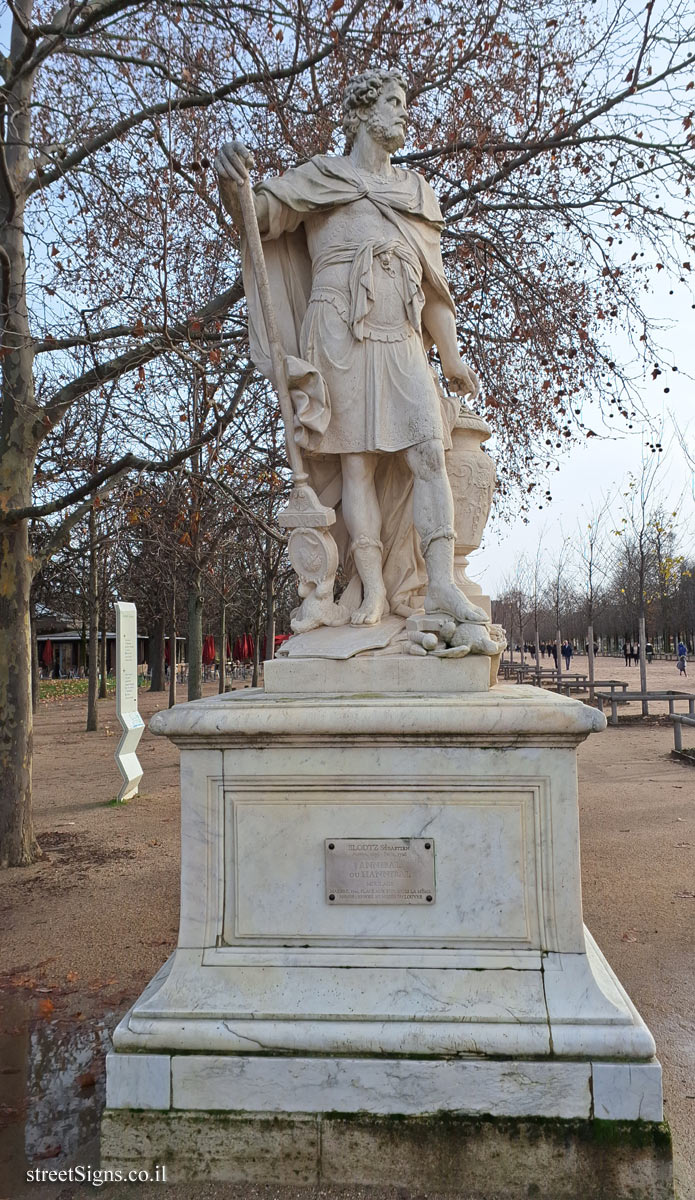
x: 592, y: 561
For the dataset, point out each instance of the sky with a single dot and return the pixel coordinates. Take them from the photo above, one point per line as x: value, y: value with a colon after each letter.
x: 602, y: 465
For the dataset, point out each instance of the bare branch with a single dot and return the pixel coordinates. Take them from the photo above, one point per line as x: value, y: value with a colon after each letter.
x: 130, y: 360
x: 199, y: 100
x: 133, y: 462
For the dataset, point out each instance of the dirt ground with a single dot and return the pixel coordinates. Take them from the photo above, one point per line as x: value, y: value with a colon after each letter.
x: 85, y: 928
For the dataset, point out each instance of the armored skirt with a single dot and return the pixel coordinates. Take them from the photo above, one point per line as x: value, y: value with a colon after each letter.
x: 358, y: 332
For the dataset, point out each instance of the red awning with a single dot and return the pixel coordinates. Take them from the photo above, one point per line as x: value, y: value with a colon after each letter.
x: 47, y: 656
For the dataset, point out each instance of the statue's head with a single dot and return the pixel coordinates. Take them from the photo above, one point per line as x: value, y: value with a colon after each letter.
x: 377, y: 100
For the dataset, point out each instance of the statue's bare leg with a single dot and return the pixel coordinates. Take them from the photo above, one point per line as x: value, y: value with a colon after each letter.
x: 362, y: 518
x: 433, y: 515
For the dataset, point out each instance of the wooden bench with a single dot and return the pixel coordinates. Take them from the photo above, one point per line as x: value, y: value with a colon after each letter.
x: 598, y: 683
x: 538, y: 678
x: 627, y: 697
x: 679, y: 720
x: 516, y: 669
x: 575, y: 680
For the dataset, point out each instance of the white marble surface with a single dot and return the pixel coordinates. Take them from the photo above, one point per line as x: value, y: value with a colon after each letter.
x: 231, y: 1009
x: 400, y: 673
x: 195, y: 1033
x: 513, y: 1089
x: 265, y: 965
x: 373, y: 364
x: 485, y: 859
x: 251, y: 994
x: 529, y: 715
x: 202, y: 847
x: 627, y: 1091
x: 342, y: 642
x: 615, y: 1091
x: 138, y: 1081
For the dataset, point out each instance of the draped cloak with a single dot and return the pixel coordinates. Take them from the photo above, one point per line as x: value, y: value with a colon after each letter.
x: 409, y: 204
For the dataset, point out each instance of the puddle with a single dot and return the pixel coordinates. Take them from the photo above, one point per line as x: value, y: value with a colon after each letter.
x: 51, y: 1089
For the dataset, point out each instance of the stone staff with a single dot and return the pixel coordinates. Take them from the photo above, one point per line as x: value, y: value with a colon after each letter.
x: 311, y: 548
x: 277, y: 354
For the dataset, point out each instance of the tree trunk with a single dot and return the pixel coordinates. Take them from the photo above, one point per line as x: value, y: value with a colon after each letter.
x: 643, y: 663
x: 195, y: 638
x: 103, y: 648
x: 18, y: 846
x: 558, y: 644
x: 223, y: 650
x: 538, y: 651
x: 18, y: 444
x: 590, y: 652
x: 35, y: 673
x: 256, y: 654
x: 172, y: 650
x: 92, y: 714
x: 156, y: 654
x: 269, y: 618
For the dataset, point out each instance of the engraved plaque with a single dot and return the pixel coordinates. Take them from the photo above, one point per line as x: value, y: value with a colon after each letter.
x: 380, y: 871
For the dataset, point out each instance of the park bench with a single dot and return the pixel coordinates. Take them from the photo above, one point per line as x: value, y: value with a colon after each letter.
x: 513, y: 669
x: 574, y: 679
x: 627, y: 697
x: 545, y: 675
x: 598, y: 683
x: 679, y: 720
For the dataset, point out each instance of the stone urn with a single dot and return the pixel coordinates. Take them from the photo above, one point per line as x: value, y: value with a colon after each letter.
x: 472, y: 476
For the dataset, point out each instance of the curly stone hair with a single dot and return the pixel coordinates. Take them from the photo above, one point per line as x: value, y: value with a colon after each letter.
x: 361, y: 92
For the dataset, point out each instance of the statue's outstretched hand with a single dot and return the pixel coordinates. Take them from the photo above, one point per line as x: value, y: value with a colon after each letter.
x: 462, y: 379
x: 234, y: 162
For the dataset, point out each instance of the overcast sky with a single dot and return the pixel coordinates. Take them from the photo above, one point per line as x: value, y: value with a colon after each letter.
x: 602, y: 465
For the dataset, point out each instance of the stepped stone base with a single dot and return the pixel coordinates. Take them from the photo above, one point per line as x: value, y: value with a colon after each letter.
x: 422, y: 1009
x: 476, y: 1158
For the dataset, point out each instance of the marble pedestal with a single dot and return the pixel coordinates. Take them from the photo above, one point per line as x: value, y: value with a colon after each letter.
x: 281, y: 1009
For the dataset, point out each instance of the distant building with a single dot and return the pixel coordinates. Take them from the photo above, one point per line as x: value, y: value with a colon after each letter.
x: 64, y: 650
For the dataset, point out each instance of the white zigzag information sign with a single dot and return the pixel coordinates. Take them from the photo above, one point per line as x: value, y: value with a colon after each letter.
x: 127, y: 699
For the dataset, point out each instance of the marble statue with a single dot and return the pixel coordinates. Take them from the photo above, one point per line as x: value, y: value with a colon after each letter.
x: 352, y: 253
